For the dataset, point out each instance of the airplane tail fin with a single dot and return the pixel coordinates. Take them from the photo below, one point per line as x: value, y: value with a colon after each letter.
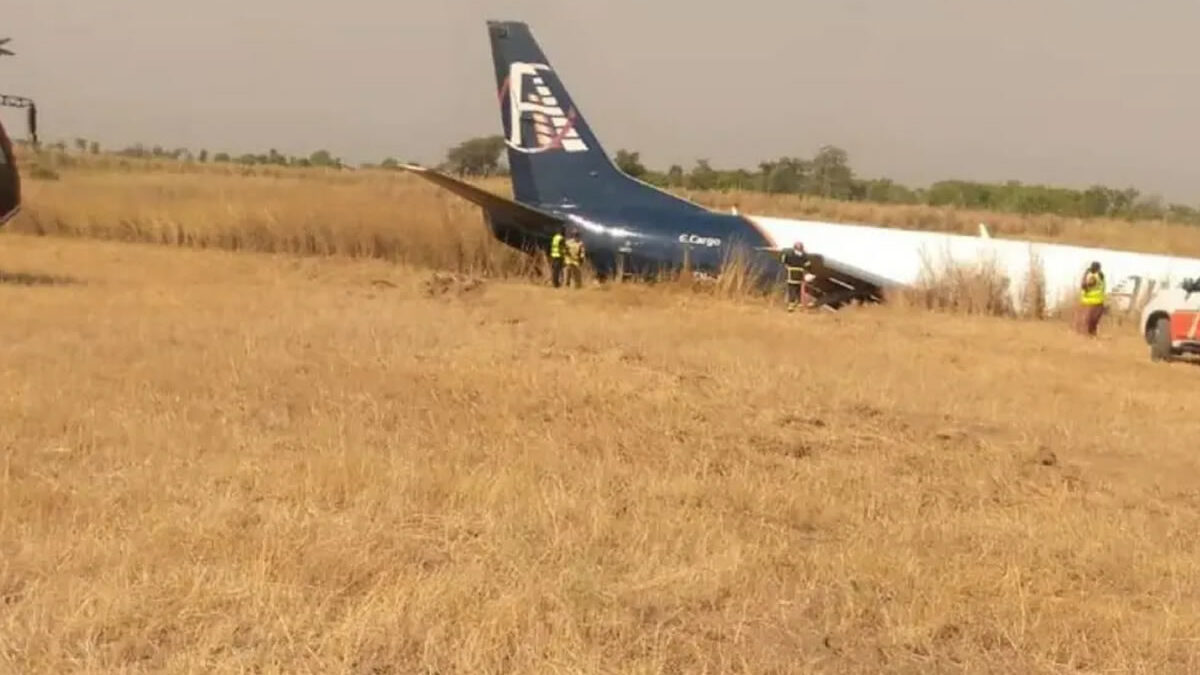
x: 553, y: 155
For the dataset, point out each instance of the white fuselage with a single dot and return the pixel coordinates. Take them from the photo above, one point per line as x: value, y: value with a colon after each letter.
x: 904, y: 257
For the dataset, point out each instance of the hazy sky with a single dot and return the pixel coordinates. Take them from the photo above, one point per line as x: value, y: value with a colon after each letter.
x: 1064, y: 91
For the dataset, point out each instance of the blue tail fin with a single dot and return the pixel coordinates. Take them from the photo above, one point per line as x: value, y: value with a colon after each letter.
x: 554, y: 157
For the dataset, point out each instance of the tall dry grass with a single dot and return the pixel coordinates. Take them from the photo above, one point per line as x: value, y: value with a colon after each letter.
x: 980, y: 288
x: 108, y: 183
x: 399, y: 218
x: 225, y: 464
x: 367, y: 215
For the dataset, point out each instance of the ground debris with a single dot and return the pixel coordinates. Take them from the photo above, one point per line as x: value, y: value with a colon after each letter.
x: 443, y: 283
x: 1045, y: 456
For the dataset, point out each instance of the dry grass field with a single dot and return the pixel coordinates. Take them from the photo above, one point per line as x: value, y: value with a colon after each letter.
x: 395, y: 216
x: 227, y: 461
x: 385, y: 215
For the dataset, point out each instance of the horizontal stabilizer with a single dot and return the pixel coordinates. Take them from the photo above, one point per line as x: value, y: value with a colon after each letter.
x: 535, y: 220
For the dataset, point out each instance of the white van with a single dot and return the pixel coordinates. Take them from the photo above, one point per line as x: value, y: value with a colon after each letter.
x: 1171, y: 321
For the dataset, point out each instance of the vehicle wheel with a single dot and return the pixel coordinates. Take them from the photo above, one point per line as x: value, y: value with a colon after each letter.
x: 1160, y: 345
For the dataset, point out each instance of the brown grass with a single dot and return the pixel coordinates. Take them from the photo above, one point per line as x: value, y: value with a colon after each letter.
x: 399, y: 218
x: 395, y: 218
x: 219, y: 462
x: 981, y: 288
x: 372, y: 212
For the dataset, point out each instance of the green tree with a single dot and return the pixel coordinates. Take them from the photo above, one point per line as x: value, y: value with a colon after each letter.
x: 675, y: 177
x: 702, y: 177
x: 886, y: 191
x: 323, y: 158
x: 831, y: 174
x: 630, y: 163
x: 1096, y: 201
x: 785, y: 175
x: 478, y: 156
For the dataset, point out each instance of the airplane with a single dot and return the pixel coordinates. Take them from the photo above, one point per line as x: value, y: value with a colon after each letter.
x: 562, y: 178
x: 10, y: 177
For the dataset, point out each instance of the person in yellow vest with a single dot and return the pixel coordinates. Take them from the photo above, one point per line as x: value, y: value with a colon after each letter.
x: 1091, y: 299
x: 574, y: 254
x: 556, y: 258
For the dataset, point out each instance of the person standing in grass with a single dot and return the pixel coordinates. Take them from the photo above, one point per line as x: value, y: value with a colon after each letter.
x: 1091, y: 299
x: 556, y: 258
x: 574, y: 254
x: 797, y: 263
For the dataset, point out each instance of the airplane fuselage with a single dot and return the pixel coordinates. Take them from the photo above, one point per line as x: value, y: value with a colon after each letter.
x: 646, y: 239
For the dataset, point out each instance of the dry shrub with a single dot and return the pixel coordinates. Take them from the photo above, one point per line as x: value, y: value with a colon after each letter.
x: 740, y: 274
x: 979, y: 288
x: 740, y: 278
x: 1033, y: 292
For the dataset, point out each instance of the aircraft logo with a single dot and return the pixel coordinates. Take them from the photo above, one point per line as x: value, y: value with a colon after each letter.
x: 698, y: 240
x: 549, y: 127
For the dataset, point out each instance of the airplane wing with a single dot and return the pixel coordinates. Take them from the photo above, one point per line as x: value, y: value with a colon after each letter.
x: 535, y: 220
x: 836, y: 281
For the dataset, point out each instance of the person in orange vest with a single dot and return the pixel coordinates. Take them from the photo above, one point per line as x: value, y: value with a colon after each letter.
x: 1091, y: 299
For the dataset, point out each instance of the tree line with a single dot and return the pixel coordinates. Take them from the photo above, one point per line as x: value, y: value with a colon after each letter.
x: 83, y: 146
x: 829, y: 174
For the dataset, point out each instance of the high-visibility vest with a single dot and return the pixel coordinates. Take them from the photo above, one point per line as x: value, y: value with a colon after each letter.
x: 556, y: 246
x: 574, y: 253
x: 1094, y: 293
x: 796, y: 264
